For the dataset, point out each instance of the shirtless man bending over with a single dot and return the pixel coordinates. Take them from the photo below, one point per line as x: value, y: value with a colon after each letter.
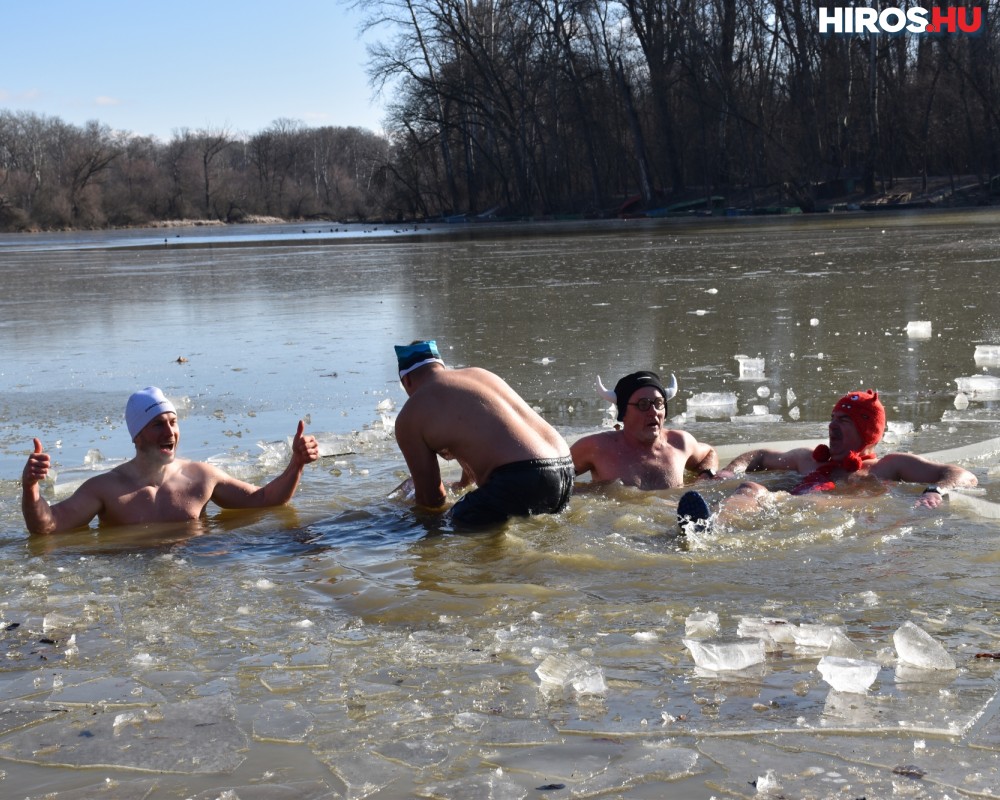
x: 155, y: 485
x: 520, y: 464
x: 643, y: 453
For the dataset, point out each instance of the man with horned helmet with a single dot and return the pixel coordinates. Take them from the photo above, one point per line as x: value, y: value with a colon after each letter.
x: 641, y: 452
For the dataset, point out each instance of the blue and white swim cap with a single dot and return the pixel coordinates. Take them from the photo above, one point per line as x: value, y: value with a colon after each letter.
x: 415, y: 355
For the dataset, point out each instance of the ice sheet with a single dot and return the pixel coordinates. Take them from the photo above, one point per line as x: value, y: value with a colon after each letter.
x: 191, y: 737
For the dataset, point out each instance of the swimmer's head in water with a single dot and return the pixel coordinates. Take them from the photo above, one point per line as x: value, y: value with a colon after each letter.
x: 632, y: 383
x: 143, y: 407
x: 866, y: 412
x: 416, y: 354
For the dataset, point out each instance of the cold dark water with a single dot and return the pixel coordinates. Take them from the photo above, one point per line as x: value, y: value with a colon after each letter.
x: 340, y: 647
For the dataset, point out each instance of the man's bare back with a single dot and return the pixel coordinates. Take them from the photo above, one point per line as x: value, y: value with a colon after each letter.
x: 476, y: 418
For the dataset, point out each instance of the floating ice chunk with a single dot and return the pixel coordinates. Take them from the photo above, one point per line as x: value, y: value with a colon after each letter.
x: 918, y: 329
x: 794, y: 413
x: 758, y: 416
x: 56, y: 620
x: 979, y: 387
x: 712, y: 405
x: 701, y: 624
x: 842, y: 646
x: 813, y: 322
x: 565, y: 672
x: 917, y: 648
x: 895, y: 431
x: 848, y: 674
x: 988, y: 355
x: 751, y: 369
x: 767, y: 783
x: 763, y: 392
x: 282, y: 721
x: 770, y: 629
x: 790, y: 397
x: 815, y: 636
x: 725, y: 654
x: 93, y: 457
x: 961, y: 401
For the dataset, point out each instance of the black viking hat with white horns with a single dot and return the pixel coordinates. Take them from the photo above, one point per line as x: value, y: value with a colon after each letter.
x: 630, y: 384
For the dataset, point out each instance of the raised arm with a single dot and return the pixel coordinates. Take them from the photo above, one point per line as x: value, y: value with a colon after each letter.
x: 232, y: 493
x: 41, y: 518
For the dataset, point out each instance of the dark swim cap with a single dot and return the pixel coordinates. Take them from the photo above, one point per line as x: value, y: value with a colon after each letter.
x: 630, y: 384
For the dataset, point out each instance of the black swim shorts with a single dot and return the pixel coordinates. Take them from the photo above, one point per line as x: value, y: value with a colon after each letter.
x: 518, y: 489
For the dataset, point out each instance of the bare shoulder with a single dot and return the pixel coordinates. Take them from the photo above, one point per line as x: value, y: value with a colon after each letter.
x: 680, y: 439
x: 595, y: 441
x: 202, y: 472
x: 106, y: 484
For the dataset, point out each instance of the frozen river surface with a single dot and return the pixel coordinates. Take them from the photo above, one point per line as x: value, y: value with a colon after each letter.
x: 342, y: 647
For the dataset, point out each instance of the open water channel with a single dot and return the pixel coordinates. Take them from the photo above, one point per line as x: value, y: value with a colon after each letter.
x: 341, y: 647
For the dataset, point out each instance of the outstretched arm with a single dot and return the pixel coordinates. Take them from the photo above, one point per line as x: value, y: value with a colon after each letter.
x: 232, y: 493
x: 757, y: 460
x: 915, y: 469
x: 41, y: 518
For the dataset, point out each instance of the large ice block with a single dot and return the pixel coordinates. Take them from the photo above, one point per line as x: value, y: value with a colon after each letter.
x: 848, y: 674
x: 917, y: 648
x: 568, y: 672
x: 725, y: 654
x: 979, y: 387
x: 919, y: 329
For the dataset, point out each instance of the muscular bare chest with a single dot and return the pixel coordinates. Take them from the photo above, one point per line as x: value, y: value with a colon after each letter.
x: 178, y: 500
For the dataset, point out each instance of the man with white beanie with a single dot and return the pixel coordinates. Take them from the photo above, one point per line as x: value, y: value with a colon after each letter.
x: 155, y: 485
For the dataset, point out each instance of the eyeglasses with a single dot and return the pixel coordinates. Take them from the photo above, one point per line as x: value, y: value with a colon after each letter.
x: 647, y: 402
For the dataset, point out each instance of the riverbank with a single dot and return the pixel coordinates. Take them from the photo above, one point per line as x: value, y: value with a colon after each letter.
x: 842, y: 195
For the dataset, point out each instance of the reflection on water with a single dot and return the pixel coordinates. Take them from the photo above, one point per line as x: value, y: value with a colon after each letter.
x: 343, y: 646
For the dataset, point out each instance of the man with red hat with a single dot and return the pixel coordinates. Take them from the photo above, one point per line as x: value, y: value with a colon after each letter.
x: 856, y: 427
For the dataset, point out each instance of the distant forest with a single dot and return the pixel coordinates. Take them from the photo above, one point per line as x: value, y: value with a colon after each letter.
x: 540, y: 107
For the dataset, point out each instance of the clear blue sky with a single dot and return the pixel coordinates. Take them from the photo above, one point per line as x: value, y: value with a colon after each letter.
x: 154, y: 67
